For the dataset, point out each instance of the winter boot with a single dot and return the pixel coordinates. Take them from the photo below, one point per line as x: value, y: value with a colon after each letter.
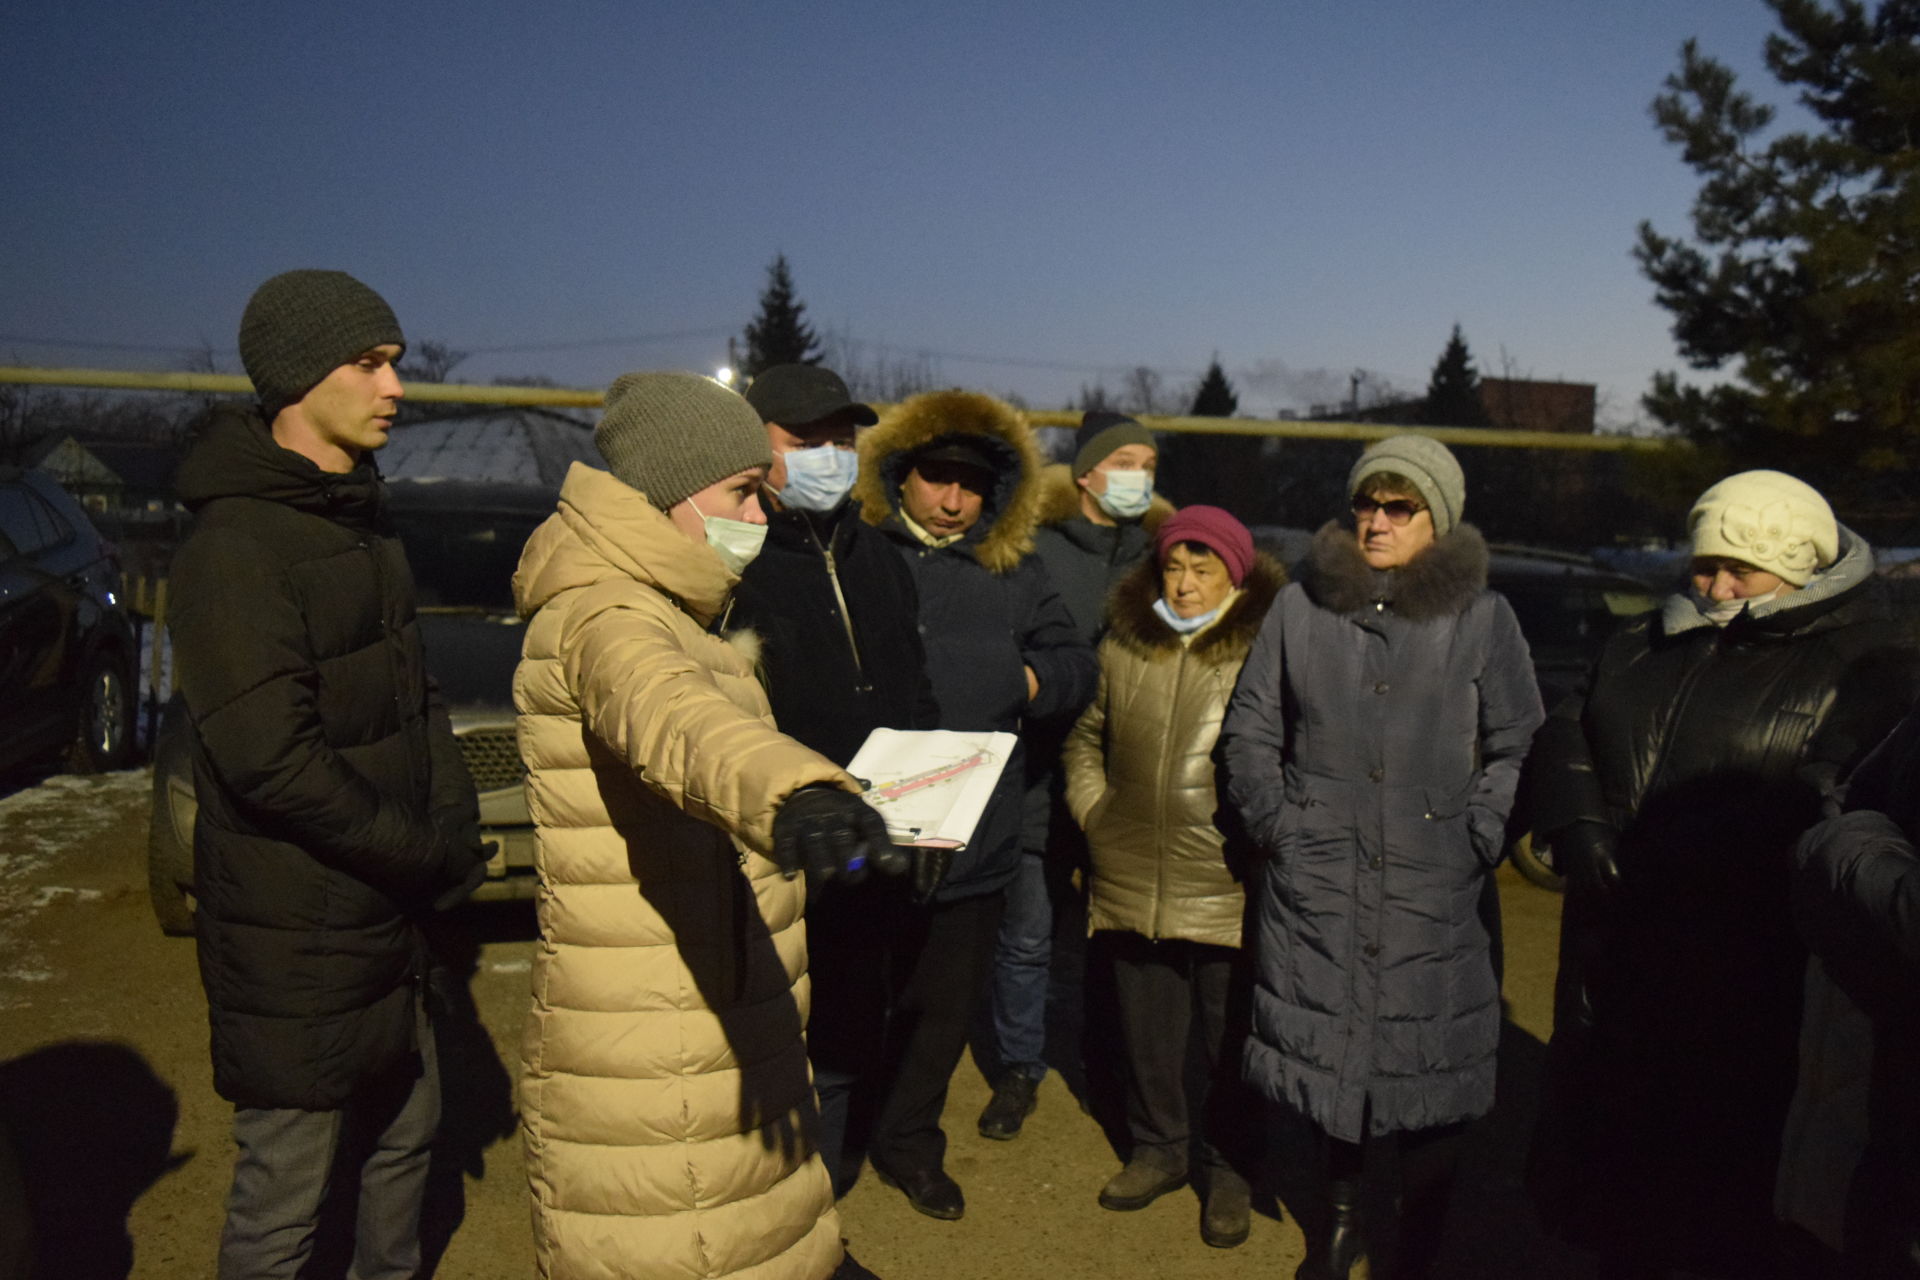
x: 1150, y: 1174
x: 1014, y: 1099
x: 1332, y: 1256
x: 1227, y: 1217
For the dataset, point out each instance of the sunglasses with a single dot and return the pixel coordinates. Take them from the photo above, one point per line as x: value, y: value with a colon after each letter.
x: 1399, y: 510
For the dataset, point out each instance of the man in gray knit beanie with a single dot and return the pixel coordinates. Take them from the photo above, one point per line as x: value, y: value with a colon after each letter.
x: 670, y: 435
x: 302, y: 325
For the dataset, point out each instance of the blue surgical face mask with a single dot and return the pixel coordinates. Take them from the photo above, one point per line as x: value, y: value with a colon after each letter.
x: 819, y: 479
x: 1128, y: 495
x: 735, y: 541
x: 1184, y: 626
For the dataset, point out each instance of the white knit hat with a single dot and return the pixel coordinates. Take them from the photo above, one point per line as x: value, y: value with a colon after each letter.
x: 1768, y: 519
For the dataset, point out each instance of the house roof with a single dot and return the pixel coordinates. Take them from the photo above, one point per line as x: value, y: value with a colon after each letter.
x: 516, y: 446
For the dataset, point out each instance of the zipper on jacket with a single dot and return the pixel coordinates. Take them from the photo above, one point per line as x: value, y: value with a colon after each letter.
x: 833, y: 576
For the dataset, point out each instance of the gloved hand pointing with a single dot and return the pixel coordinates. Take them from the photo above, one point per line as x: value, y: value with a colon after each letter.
x: 829, y: 833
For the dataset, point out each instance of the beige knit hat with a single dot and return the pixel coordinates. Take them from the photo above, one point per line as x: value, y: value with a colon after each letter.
x: 1768, y: 519
x: 670, y: 435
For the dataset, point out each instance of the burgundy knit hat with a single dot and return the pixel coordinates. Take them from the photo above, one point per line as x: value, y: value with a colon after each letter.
x: 1213, y: 529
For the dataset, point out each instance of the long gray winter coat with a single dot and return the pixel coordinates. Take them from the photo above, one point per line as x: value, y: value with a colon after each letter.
x: 1372, y: 748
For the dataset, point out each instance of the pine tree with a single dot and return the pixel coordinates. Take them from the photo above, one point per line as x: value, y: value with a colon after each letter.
x: 1453, y: 392
x: 1221, y: 470
x: 1215, y: 397
x: 1798, y: 281
x: 780, y: 333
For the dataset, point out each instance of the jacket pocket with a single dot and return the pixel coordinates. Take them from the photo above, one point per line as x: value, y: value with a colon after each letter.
x: 1452, y: 819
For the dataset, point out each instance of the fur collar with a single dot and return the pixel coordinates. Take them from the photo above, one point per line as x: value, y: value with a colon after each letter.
x: 1440, y: 581
x: 1004, y: 534
x: 1135, y: 627
x: 1060, y: 499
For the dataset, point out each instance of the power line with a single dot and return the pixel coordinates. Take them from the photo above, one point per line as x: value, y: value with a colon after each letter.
x: 83, y: 345
x: 643, y: 339
x: 582, y: 344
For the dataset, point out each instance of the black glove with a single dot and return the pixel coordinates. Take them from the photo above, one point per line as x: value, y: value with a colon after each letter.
x: 459, y: 893
x: 929, y: 869
x: 460, y: 861
x: 829, y: 833
x: 1583, y: 853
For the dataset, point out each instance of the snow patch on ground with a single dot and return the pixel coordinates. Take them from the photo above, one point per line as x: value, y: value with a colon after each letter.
x: 39, y: 825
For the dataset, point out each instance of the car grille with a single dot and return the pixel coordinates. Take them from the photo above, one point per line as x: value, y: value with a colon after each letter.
x: 493, y: 758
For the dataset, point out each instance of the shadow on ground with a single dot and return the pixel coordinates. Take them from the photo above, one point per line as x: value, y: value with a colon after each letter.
x: 91, y: 1128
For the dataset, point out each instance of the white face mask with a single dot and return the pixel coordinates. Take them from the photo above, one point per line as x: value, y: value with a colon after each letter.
x: 735, y: 541
x: 1128, y: 494
x: 1184, y: 626
x: 819, y: 479
x: 1721, y: 612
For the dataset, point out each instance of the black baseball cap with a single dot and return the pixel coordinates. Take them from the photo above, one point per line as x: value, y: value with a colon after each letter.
x: 797, y: 394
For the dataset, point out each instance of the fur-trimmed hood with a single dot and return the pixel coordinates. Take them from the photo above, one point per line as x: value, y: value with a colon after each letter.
x: 1060, y: 499
x: 1134, y: 626
x: 1004, y: 533
x: 1439, y: 582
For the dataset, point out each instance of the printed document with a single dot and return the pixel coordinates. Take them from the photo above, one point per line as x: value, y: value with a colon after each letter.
x: 931, y: 785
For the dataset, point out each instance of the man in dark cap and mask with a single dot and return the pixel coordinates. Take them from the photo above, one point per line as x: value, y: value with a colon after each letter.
x: 837, y: 615
x: 335, y: 811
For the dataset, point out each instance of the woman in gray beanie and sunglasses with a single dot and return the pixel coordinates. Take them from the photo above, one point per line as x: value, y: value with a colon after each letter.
x: 1372, y: 748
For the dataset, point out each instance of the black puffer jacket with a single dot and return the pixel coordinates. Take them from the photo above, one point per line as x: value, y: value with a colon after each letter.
x: 323, y: 764
x: 987, y: 606
x: 835, y: 610
x: 1697, y: 759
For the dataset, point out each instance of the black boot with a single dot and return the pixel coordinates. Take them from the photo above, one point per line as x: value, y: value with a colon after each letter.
x: 1332, y: 1255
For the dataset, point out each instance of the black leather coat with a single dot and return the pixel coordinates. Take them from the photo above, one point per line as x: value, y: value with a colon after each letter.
x: 1675, y: 791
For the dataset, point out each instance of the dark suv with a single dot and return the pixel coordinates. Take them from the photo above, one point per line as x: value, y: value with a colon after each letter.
x: 463, y: 540
x: 67, y: 648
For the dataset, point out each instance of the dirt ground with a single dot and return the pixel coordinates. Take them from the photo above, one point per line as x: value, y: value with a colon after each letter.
x: 124, y: 1147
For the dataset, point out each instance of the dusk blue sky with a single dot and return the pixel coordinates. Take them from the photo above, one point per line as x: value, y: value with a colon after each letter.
x: 1068, y: 189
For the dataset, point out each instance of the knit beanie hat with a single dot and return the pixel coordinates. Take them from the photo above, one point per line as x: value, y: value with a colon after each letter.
x: 1768, y: 519
x: 1214, y: 529
x: 1430, y: 465
x: 302, y: 325
x: 670, y: 435
x: 1100, y: 433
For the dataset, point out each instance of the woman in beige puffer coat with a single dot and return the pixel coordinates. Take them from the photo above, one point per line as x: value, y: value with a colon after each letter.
x: 1140, y: 782
x: 664, y: 1099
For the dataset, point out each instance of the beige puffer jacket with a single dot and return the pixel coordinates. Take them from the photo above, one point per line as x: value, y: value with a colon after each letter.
x: 664, y: 1097
x: 1139, y: 764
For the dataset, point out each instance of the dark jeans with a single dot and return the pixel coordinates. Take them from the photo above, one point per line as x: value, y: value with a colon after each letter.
x: 1167, y: 991
x: 1021, y: 961
x: 287, y: 1161
x: 927, y: 1028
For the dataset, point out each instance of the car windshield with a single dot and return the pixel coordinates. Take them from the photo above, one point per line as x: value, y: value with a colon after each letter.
x: 463, y: 543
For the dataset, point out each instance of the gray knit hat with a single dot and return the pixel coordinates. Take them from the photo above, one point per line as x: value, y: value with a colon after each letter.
x: 670, y: 435
x: 1100, y: 433
x: 1430, y: 465
x: 302, y: 325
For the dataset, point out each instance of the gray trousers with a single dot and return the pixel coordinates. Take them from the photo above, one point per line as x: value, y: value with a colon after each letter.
x: 287, y: 1161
